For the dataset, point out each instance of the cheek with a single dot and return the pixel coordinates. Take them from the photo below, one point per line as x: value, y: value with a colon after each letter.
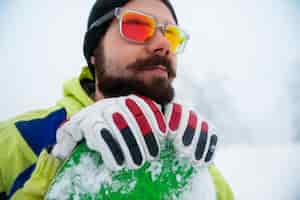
x: 115, y: 63
x: 174, y: 64
x: 118, y: 52
x: 175, y: 67
x: 115, y: 45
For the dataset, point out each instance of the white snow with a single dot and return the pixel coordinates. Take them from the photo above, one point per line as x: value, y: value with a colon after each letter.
x: 262, y: 172
x: 85, y: 177
x: 155, y: 169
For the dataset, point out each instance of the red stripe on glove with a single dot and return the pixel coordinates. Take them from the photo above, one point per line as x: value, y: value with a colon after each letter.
x: 175, y: 117
x: 158, y: 115
x: 139, y: 116
x: 204, y: 127
x: 192, y: 123
x: 119, y: 121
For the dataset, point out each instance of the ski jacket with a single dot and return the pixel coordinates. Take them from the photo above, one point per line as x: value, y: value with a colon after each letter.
x: 26, y: 168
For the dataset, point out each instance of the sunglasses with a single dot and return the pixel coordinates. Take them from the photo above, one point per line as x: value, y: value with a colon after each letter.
x: 139, y: 27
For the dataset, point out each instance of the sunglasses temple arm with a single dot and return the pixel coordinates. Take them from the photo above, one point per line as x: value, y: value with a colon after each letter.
x: 102, y: 19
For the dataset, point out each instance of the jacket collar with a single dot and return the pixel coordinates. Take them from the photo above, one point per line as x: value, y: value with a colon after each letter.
x: 75, y: 98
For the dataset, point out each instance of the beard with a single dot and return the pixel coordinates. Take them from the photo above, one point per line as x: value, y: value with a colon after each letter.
x: 158, y: 89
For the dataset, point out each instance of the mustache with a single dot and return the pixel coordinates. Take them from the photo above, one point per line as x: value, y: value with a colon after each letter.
x: 144, y: 64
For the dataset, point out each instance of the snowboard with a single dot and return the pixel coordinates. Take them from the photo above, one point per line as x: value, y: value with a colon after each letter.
x: 84, y: 176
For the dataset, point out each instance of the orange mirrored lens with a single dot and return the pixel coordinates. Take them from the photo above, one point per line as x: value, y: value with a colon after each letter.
x: 175, y: 36
x: 137, y: 27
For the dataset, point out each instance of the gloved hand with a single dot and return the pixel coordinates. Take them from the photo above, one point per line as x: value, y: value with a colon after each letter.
x: 126, y: 131
x: 194, y: 138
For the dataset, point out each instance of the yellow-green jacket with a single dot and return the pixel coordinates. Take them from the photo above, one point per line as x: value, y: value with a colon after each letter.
x: 26, y: 169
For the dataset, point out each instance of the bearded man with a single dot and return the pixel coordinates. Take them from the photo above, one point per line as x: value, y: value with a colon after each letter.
x: 121, y: 104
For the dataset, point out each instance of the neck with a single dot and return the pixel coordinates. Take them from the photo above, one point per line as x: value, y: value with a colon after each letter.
x: 98, y: 95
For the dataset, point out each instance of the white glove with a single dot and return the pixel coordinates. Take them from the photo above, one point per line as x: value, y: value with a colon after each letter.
x: 126, y: 131
x: 193, y: 137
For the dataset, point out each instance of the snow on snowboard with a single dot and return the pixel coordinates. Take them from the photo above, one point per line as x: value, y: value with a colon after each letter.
x: 83, y: 176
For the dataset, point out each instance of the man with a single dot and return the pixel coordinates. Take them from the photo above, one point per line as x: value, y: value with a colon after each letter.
x: 121, y: 104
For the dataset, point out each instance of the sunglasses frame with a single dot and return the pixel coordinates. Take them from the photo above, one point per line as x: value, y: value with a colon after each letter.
x: 119, y: 12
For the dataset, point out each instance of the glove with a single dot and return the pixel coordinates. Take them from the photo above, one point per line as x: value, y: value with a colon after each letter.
x: 193, y: 137
x: 125, y: 131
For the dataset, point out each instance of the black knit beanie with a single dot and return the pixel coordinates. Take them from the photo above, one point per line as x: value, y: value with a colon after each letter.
x: 92, y: 37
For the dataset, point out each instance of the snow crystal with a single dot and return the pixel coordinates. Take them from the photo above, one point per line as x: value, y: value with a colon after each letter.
x: 131, y: 185
x: 155, y: 169
x: 86, y: 177
x: 178, y: 177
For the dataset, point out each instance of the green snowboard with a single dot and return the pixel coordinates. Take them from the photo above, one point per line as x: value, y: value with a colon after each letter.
x: 83, y: 176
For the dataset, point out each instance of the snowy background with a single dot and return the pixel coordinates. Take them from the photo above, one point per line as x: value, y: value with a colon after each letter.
x: 240, y: 69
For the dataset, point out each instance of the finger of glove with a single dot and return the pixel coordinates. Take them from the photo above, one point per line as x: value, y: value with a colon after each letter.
x: 77, y: 125
x: 93, y: 113
x: 195, y: 139
x: 64, y: 146
x: 168, y: 113
x: 175, y: 116
x: 191, y: 136
x: 144, y: 121
x: 206, y: 144
x: 212, y: 145
x: 183, y: 123
x: 187, y: 134
x: 153, y: 113
x: 99, y: 138
x: 70, y: 128
x: 126, y: 132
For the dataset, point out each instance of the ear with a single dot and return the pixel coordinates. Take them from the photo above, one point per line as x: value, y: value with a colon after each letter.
x: 93, y: 60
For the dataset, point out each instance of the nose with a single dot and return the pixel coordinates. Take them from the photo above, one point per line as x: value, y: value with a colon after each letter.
x: 159, y: 45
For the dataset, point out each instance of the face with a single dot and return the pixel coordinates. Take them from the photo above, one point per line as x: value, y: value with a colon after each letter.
x: 147, y: 69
